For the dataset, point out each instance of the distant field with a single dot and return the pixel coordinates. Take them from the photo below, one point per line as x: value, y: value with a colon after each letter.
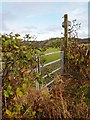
x: 52, y: 50
x: 85, y: 44
x: 46, y: 59
x: 50, y: 58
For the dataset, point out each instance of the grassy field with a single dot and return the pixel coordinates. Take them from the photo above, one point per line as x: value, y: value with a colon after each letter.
x: 46, y: 59
x: 85, y: 44
x: 52, y: 50
x: 50, y: 58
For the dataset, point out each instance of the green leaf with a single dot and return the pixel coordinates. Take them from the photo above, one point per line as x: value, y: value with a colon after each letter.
x: 9, y: 91
x: 9, y: 87
x: 25, y: 93
x: 17, y: 35
x: 28, y: 55
x: 8, y: 112
x: 19, y: 92
x: 33, y: 113
x: 7, y: 42
x: 24, y: 86
x: 82, y: 59
x: 39, y: 109
x: 15, y: 46
x: 6, y: 93
x: 72, y: 57
x: 26, y: 79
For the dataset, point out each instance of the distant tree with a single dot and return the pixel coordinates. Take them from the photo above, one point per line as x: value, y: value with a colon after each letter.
x: 57, y: 43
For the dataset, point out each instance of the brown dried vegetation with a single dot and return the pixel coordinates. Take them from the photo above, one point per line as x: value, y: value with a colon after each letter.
x: 68, y: 97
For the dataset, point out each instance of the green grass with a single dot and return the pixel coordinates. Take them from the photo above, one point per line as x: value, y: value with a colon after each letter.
x: 52, y: 57
x: 52, y: 50
x: 84, y: 44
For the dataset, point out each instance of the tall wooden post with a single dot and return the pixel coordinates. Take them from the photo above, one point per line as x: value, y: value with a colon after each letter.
x: 66, y: 29
x: 65, y: 41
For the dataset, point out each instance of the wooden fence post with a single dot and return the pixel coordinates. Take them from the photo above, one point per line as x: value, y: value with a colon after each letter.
x: 65, y: 42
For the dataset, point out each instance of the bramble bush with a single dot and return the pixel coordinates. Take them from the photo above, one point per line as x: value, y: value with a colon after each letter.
x: 18, y: 75
x: 68, y: 96
x: 79, y: 61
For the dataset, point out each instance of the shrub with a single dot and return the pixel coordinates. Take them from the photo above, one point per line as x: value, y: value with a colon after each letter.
x: 18, y: 72
x: 79, y: 61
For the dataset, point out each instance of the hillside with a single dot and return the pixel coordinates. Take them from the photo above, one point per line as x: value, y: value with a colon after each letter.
x: 51, y: 42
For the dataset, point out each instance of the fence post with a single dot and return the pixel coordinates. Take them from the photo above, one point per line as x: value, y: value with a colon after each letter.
x: 38, y: 71
x: 65, y: 41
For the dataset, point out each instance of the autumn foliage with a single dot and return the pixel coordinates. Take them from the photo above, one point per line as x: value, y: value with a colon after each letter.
x: 68, y: 97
